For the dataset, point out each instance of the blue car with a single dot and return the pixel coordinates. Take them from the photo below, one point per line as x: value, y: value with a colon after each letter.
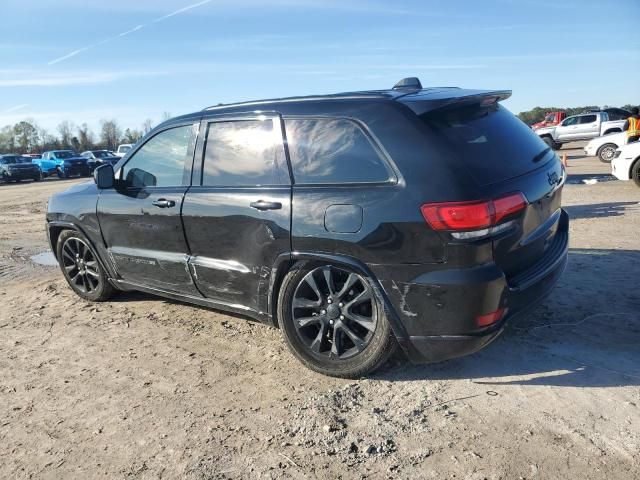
x: 64, y: 163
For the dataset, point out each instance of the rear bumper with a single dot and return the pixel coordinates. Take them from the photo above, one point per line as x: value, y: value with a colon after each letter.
x: 440, y: 318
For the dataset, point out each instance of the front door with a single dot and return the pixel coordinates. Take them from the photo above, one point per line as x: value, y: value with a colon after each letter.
x: 567, y: 130
x: 140, y: 217
x: 237, y: 214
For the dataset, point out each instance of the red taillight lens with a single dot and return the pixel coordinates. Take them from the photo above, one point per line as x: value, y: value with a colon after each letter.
x: 475, y: 215
x: 457, y: 215
x: 489, y: 318
x: 505, y: 206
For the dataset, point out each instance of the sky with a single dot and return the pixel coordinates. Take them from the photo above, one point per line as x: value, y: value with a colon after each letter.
x: 131, y: 60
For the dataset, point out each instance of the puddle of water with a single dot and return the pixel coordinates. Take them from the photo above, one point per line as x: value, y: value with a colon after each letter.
x: 45, y: 258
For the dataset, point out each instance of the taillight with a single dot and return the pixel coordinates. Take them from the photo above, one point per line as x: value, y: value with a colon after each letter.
x: 476, y: 215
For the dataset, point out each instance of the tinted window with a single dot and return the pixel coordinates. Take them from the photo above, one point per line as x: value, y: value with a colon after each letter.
x: 489, y: 142
x: 162, y: 160
x: 65, y: 154
x: 332, y: 151
x: 570, y: 121
x: 244, y: 153
x: 588, y: 119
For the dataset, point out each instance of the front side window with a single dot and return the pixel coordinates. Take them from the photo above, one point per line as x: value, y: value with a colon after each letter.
x: 162, y: 161
x: 329, y: 151
x: 570, y: 121
x: 244, y: 153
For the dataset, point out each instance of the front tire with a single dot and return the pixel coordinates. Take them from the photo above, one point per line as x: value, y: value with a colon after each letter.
x: 606, y: 152
x: 333, y: 321
x: 62, y: 175
x: 81, y: 268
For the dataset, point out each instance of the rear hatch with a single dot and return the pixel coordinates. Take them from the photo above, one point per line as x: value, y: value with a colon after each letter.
x: 504, y: 157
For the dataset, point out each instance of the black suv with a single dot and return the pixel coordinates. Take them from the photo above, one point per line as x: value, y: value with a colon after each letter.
x: 14, y: 168
x: 424, y: 218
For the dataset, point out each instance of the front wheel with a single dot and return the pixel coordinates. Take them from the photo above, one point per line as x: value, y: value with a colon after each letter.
x: 61, y: 174
x: 333, y: 322
x: 81, y: 267
x: 606, y: 152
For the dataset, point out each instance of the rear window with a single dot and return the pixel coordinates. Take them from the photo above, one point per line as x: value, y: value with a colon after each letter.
x: 491, y: 142
x: 587, y: 119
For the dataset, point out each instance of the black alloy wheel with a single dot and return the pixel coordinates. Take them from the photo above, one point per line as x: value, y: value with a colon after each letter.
x: 333, y: 321
x: 81, y: 267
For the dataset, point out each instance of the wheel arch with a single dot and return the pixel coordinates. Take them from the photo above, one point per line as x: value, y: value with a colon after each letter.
x: 612, y: 130
x: 633, y: 164
x: 56, y: 227
x: 285, y: 262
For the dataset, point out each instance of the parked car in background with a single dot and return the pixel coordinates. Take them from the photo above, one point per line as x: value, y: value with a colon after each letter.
x: 550, y: 119
x: 95, y: 158
x: 579, y: 127
x: 626, y: 163
x: 421, y: 217
x: 64, y: 163
x: 605, y: 147
x: 14, y: 168
x: 32, y: 155
x: 124, y: 148
x: 617, y: 113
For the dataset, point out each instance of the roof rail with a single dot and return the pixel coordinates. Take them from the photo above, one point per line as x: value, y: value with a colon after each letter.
x: 409, y: 83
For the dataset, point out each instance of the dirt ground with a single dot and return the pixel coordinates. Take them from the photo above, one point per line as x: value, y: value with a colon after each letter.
x: 142, y: 387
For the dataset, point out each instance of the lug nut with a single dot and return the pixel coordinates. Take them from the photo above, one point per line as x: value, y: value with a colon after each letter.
x: 323, y: 312
x: 329, y: 300
x: 330, y: 322
x: 341, y: 317
x: 340, y: 304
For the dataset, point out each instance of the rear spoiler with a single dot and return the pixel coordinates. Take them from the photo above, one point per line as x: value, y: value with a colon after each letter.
x: 429, y: 100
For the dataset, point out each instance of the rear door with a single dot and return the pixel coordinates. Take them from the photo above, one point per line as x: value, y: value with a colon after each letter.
x: 588, y: 126
x: 237, y: 215
x: 140, y: 217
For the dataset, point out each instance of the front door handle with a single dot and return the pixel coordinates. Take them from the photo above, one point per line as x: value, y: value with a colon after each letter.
x: 263, y: 205
x: 164, y: 203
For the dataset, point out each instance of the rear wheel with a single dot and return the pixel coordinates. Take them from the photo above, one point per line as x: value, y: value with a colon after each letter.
x: 62, y: 174
x: 333, y: 322
x: 81, y: 268
x: 606, y: 152
x: 549, y: 141
x: 635, y: 172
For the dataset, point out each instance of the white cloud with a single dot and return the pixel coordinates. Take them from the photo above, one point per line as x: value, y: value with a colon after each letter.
x: 14, y: 108
x: 37, y: 78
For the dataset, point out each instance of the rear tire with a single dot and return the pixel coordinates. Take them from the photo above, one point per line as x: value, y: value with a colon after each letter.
x: 606, y: 152
x: 81, y: 268
x: 635, y: 172
x: 62, y: 175
x: 333, y: 322
x: 553, y: 145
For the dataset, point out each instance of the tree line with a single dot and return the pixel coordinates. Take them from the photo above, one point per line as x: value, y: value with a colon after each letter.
x: 537, y: 114
x: 28, y: 137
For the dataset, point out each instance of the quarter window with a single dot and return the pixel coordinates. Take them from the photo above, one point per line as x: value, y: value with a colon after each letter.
x: 162, y: 161
x: 332, y: 151
x: 244, y: 153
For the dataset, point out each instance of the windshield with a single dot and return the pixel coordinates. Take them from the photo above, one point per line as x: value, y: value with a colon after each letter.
x: 13, y: 160
x: 65, y: 154
x: 101, y: 153
x: 491, y: 142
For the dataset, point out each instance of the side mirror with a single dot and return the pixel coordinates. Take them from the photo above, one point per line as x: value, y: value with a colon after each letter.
x: 104, y: 176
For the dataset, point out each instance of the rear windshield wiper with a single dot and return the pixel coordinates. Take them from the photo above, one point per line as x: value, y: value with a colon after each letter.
x: 541, y: 155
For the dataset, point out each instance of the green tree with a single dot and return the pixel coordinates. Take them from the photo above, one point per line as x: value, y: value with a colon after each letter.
x: 25, y: 136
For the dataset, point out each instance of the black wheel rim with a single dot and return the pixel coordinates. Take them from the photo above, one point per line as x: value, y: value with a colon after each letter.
x: 334, y: 312
x: 80, y: 265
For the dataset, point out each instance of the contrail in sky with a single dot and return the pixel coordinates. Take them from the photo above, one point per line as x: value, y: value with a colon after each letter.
x: 13, y: 109
x: 123, y: 34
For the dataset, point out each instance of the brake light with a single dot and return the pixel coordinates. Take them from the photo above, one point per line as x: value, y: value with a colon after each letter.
x: 475, y: 215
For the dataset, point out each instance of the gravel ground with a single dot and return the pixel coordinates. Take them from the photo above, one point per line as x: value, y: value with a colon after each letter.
x: 142, y: 387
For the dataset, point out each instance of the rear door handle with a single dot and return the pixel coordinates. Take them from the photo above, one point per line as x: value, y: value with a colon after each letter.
x: 264, y: 205
x: 164, y: 203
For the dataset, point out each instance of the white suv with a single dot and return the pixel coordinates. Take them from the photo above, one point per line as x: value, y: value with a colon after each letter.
x: 124, y: 148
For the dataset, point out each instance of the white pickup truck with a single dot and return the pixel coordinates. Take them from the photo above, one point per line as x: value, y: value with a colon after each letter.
x: 579, y: 127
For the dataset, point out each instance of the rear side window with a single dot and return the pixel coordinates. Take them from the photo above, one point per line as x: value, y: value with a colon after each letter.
x: 587, y: 119
x: 244, y: 153
x: 490, y: 142
x: 332, y: 151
